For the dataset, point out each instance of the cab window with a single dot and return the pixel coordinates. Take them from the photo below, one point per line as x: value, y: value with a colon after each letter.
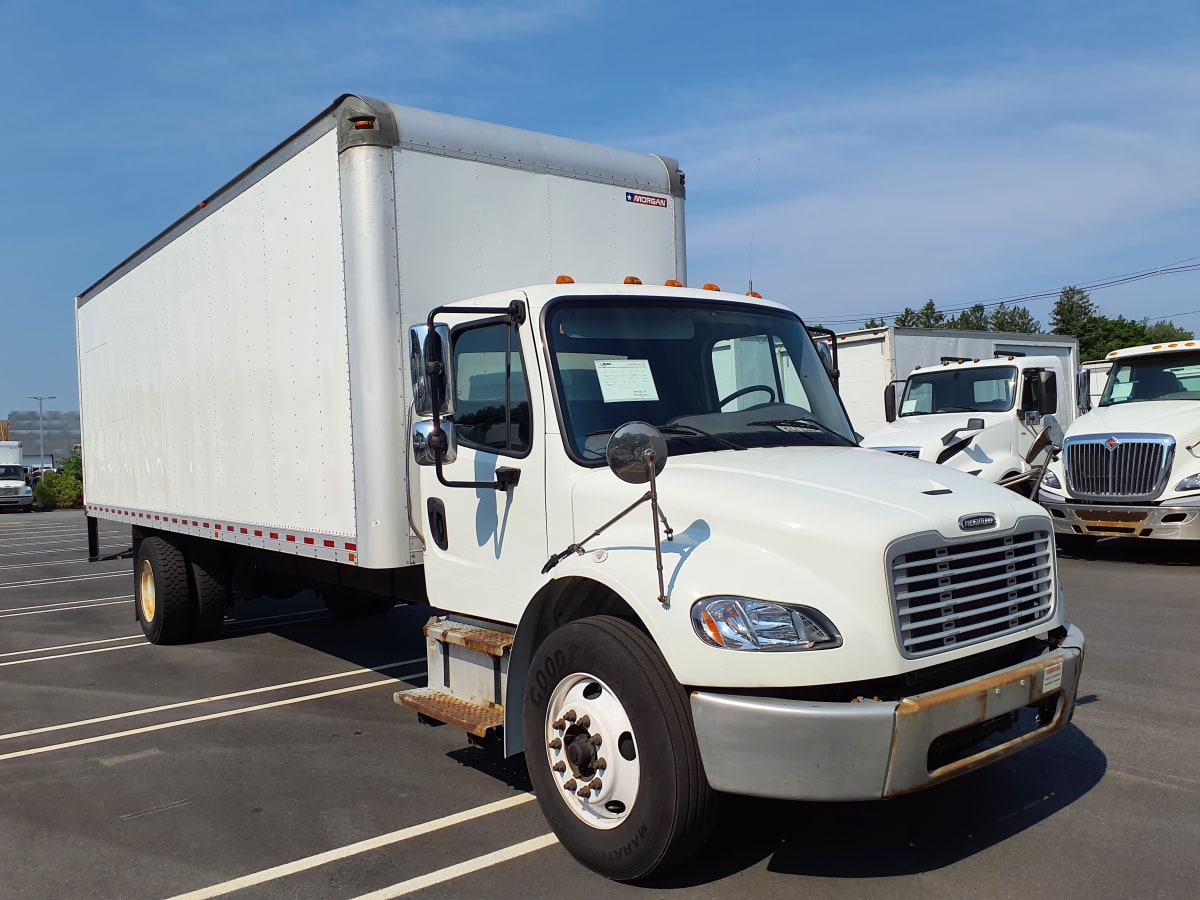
x: 491, y: 404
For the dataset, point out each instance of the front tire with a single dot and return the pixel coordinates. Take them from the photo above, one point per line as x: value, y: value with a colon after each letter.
x: 161, y: 595
x: 612, y: 752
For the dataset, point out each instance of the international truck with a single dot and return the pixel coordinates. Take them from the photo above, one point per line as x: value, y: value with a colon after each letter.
x: 972, y: 400
x: 1131, y: 466
x: 407, y: 357
x: 14, y: 492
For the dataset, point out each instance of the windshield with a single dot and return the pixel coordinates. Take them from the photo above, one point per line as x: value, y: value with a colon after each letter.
x: 710, y: 376
x: 11, y: 473
x: 1174, y: 376
x: 959, y: 390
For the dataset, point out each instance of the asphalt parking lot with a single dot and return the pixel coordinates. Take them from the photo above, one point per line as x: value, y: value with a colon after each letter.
x: 272, y: 762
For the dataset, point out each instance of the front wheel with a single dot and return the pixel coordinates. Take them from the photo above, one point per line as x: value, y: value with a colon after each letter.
x: 611, y: 750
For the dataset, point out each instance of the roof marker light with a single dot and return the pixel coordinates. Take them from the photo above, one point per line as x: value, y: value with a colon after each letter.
x: 632, y: 279
x: 671, y: 282
x: 712, y: 287
x: 564, y: 279
x: 755, y: 294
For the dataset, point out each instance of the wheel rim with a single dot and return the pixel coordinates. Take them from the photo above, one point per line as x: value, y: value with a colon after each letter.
x: 592, y: 751
x: 146, y: 591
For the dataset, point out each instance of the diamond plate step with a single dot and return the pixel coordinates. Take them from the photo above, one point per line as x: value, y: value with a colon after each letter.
x: 472, y: 637
x: 480, y: 719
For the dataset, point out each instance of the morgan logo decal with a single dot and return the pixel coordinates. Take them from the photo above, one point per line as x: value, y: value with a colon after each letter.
x: 645, y: 199
x: 1112, y: 443
x: 977, y: 521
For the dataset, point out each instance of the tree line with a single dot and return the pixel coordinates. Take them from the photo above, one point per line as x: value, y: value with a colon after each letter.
x: 1074, y: 313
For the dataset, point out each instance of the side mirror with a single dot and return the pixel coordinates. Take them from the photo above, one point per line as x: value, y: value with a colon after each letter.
x: 636, y: 452
x: 976, y: 424
x: 1048, y: 401
x: 424, y: 438
x: 1083, y: 389
x: 826, y: 355
x: 889, y: 401
x: 431, y: 389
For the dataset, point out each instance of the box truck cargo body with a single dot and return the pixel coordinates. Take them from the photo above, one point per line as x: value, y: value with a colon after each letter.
x: 361, y: 368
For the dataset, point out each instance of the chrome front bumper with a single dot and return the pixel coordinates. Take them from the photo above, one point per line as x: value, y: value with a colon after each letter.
x: 869, y: 749
x: 1161, y: 522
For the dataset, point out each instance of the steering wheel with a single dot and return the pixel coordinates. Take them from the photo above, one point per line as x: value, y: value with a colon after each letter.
x: 749, y: 390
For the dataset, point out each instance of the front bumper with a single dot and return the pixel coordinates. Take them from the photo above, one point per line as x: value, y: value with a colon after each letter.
x: 16, y: 502
x: 870, y: 749
x: 1162, y: 522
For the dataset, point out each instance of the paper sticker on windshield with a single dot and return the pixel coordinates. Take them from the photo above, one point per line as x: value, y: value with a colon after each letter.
x: 622, y: 380
x: 1052, y: 677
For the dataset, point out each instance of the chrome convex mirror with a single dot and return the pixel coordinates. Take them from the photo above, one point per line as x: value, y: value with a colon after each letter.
x: 636, y: 452
x: 430, y: 349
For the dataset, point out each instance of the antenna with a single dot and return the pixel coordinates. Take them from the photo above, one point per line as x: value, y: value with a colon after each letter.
x: 753, y: 216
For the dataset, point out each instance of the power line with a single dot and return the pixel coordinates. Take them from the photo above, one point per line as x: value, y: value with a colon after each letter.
x: 1185, y: 265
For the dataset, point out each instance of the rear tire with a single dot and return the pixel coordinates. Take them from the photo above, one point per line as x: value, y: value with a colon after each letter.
x: 602, y: 714
x: 210, y: 593
x: 160, y: 593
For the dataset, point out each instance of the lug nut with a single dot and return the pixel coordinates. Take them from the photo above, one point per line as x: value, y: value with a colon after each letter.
x: 596, y: 784
x: 570, y: 784
x: 560, y: 724
x: 596, y: 740
x: 569, y: 715
x: 601, y: 764
x: 559, y: 766
x: 555, y: 744
x: 585, y: 791
x: 585, y: 722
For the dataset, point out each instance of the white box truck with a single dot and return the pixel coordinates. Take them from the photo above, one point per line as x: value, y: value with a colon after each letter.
x: 328, y: 375
x: 1131, y: 466
x: 972, y: 400
x: 14, y: 492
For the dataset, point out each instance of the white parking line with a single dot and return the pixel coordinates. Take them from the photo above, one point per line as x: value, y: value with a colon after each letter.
x: 128, y: 637
x: 90, y: 605
x: 42, y: 582
x: 463, y: 868
x: 163, y: 726
x: 60, y: 604
x: 22, y: 662
x: 184, y: 703
x: 384, y: 840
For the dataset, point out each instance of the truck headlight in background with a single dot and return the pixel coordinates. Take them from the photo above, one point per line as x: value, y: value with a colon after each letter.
x: 739, y: 623
x: 1191, y: 483
x: 1050, y: 480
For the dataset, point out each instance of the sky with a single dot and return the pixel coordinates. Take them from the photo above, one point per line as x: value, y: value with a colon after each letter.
x: 850, y: 159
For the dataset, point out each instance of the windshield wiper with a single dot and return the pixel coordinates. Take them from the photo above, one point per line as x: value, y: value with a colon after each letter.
x: 803, y: 425
x: 692, y: 429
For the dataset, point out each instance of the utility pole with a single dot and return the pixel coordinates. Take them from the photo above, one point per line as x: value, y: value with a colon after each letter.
x: 41, y: 431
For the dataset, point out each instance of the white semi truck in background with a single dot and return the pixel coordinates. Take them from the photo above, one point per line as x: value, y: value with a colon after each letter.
x: 360, y: 368
x: 972, y: 400
x: 1131, y: 466
x: 14, y: 492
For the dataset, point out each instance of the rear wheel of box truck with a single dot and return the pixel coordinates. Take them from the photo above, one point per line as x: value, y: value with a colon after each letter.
x: 161, y: 596
x: 612, y: 752
x: 209, y: 590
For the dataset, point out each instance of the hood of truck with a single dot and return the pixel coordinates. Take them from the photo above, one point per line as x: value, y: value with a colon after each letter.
x: 800, y: 525
x: 990, y: 451
x: 1180, y: 418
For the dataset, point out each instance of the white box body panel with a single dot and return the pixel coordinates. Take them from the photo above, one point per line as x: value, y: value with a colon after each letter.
x: 245, y: 373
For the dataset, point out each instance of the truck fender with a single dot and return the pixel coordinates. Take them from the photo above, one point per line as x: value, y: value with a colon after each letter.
x: 558, y: 602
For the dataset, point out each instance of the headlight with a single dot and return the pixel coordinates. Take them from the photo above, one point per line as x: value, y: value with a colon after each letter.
x: 26, y: 491
x: 739, y: 623
x: 1050, y: 480
x: 1191, y: 483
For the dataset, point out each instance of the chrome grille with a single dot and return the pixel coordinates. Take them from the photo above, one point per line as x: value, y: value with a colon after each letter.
x: 947, y: 595
x: 1129, y: 467
x: 9, y: 491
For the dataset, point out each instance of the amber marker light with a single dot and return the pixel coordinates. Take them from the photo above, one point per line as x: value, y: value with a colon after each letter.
x: 671, y: 282
x: 564, y: 279
x: 710, y: 626
x: 712, y: 287
x: 632, y: 279
x: 755, y: 294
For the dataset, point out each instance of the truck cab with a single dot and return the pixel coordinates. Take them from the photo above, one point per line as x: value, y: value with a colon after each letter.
x: 1131, y: 466
x: 980, y: 416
